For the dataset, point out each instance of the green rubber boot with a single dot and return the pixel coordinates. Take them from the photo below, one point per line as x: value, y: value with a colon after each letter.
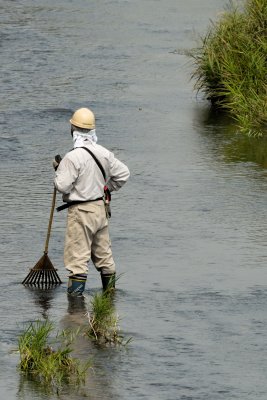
x: 108, y: 281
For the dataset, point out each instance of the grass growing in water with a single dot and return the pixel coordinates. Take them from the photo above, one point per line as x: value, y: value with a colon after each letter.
x: 51, y: 367
x: 103, y: 320
x: 231, y: 65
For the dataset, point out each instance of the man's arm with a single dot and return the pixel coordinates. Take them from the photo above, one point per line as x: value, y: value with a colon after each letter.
x: 66, y: 175
x: 118, y: 173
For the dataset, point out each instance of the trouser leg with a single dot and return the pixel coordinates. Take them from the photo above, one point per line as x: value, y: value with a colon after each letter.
x: 77, y: 251
x: 103, y: 259
x: 102, y: 253
x: 87, y: 236
x: 78, y: 239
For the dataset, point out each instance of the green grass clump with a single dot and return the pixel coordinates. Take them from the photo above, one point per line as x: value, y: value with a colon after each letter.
x: 52, y: 367
x: 231, y: 65
x: 103, y: 320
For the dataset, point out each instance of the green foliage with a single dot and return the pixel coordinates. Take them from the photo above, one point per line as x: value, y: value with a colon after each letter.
x: 231, y: 65
x: 103, y: 320
x: 51, y: 367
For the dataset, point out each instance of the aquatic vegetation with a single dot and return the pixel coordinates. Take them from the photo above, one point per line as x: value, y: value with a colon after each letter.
x: 103, y: 320
x: 50, y: 366
x: 231, y: 65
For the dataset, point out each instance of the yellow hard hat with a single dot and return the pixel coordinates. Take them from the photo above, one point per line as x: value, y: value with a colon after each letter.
x: 83, y: 118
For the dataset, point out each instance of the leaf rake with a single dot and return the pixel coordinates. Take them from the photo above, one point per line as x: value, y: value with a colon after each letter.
x: 44, y: 274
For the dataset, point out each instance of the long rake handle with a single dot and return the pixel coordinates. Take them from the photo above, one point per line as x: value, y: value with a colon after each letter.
x: 50, y: 220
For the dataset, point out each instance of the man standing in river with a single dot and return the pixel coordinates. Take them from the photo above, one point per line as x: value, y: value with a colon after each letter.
x: 86, y: 176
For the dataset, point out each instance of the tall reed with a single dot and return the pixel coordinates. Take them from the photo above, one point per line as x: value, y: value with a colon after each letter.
x: 231, y: 64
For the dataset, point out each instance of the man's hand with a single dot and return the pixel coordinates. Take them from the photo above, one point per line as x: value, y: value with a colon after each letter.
x: 56, y: 161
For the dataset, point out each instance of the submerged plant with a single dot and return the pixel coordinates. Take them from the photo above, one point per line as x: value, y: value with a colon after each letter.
x: 103, y: 320
x: 231, y: 65
x: 50, y: 366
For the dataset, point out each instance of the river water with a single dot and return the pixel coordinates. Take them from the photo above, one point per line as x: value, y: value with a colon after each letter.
x: 188, y: 230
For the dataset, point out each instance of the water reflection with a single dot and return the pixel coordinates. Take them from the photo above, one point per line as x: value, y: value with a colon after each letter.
x: 246, y: 149
x: 76, y: 305
x: 30, y: 387
x: 234, y: 146
x: 42, y: 298
x: 101, y: 379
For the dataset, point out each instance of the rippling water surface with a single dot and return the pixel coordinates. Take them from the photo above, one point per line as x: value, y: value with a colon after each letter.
x: 188, y: 230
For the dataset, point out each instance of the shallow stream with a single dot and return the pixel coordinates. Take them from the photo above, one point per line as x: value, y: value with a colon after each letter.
x: 188, y: 230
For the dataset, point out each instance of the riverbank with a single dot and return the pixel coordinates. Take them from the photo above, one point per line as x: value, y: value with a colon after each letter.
x: 231, y: 65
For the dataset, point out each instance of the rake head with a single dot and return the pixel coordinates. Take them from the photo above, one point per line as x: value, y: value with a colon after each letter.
x: 43, y: 274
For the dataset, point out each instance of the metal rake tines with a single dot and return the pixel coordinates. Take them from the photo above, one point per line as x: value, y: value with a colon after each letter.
x: 42, y: 274
x: 42, y: 277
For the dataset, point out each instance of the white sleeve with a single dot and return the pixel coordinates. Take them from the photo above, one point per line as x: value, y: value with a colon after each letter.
x: 66, y: 175
x: 118, y: 173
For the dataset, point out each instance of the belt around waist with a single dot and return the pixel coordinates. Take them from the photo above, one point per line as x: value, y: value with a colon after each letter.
x: 72, y: 203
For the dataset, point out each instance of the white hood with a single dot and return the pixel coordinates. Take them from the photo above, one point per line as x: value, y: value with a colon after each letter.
x: 81, y: 139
